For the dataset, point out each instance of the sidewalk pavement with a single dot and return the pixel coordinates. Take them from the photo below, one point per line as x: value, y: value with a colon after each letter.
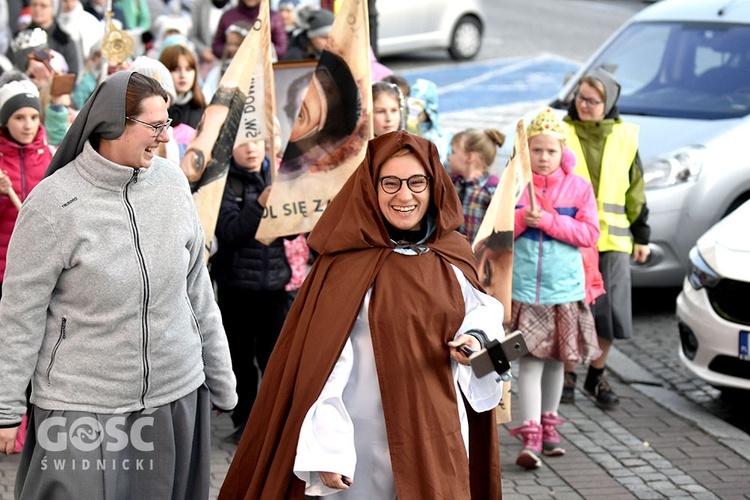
x: 656, y: 444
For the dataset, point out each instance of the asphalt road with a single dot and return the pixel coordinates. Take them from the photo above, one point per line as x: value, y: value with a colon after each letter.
x: 571, y: 29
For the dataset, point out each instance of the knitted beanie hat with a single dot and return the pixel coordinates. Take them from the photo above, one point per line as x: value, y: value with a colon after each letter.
x: 546, y: 122
x: 319, y: 23
x: 156, y: 70
x: 16, y: 95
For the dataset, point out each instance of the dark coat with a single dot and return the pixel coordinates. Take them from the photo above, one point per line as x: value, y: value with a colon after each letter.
x: 242, y: 261
x: 187, y: 113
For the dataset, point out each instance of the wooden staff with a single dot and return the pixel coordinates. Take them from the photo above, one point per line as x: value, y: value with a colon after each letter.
x: 532, y: 198
x: 108, y: 15
x: 14, y: 198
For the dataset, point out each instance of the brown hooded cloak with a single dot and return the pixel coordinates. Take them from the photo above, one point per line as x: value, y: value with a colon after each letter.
x: 416, y: 307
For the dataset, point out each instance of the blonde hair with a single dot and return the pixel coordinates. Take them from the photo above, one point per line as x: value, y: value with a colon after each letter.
x: 483, y: 142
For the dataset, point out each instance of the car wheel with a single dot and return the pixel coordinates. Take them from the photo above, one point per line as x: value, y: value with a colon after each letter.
x: 466, y: 39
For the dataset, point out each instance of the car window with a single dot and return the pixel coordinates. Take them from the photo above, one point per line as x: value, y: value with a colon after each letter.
x: 686, y: 70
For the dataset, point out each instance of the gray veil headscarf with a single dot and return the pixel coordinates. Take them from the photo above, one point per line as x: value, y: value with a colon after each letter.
x: 103, y: 115
x: 611, y: 87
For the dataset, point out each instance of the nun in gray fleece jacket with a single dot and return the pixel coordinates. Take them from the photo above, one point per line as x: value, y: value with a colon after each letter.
x: 108, y: 309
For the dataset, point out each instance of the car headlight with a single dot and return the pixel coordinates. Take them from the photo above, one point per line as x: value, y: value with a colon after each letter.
x: 699, y: 273
x: 678, y: 166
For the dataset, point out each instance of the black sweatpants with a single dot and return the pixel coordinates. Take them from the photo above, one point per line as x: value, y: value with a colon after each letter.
x: 252, y: 321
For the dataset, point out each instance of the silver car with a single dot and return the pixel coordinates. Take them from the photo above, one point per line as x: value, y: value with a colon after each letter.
x: 405, y: 26
x: 684, y: 67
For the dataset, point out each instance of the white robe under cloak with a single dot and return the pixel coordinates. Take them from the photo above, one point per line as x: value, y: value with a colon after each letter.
x: 344, y: 431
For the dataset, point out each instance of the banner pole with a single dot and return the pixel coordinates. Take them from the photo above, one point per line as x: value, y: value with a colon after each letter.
x: 14, y: 199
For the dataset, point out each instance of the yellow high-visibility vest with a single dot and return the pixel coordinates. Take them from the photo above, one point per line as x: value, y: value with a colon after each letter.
x: 619, y: 153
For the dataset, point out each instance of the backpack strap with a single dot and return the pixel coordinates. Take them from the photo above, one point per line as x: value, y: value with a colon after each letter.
x: 237, y: 188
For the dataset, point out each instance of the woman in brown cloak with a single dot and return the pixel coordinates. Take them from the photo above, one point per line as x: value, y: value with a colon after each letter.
x: 366, y: 374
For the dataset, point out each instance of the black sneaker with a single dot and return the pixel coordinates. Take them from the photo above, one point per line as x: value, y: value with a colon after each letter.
x: 569, y: 388
x: 605, y: 397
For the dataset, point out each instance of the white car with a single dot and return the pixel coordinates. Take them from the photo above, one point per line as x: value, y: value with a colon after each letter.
x: 713, y: 308
x: 405, y: 26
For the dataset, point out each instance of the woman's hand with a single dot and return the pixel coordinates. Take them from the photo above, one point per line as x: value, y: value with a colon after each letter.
x: 335, y: 481
x: 641, y: 252
x: 40, y: 73
x: 8, y: 440
x: 263, y: 197
x: 532, y: 217
x: 470, y: 341
x: 5, y: 184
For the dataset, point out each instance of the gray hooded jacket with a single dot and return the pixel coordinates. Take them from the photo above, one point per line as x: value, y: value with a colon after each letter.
x: 107, y: 304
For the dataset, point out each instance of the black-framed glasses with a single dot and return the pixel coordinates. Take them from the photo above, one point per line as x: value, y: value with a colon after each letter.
x: 588, y: 100
x: 392, y: 184
x: 158, y: 128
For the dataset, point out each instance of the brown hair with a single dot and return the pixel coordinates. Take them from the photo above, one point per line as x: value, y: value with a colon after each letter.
x: 401, y: 152
x: 170, y: 57
x: 400, y: 81
x: 394, y: 91
x: 483, y: 142
x: 141, y: 87
x: 598, y: 85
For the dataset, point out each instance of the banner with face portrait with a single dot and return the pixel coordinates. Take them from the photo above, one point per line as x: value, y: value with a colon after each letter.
x: 493, y: 244
x: 329, y: 137
x: 242, y: 109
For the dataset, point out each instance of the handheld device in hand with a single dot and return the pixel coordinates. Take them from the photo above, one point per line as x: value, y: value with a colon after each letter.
x: 496, y: 357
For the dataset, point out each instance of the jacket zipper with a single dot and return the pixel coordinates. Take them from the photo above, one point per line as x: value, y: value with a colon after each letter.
x: 146, y: 286
x: 22, y: 169
x: 54, y: 349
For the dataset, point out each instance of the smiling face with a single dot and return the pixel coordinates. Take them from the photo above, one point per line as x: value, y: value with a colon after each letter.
x: 23, y: 125
x: 545, y: 153
x: 183, y: 75
x: 137, y: 144
x: 386, y: 114
x: 404, y: 209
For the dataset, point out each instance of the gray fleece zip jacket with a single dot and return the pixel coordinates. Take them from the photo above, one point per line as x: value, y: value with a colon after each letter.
x: 107, y: 304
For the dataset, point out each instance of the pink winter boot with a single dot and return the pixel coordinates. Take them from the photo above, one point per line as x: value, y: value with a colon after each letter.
x: 550, y: 438
x: 531, y: 432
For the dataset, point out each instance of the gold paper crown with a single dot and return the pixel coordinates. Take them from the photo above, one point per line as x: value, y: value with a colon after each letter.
x: 546, y: 122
